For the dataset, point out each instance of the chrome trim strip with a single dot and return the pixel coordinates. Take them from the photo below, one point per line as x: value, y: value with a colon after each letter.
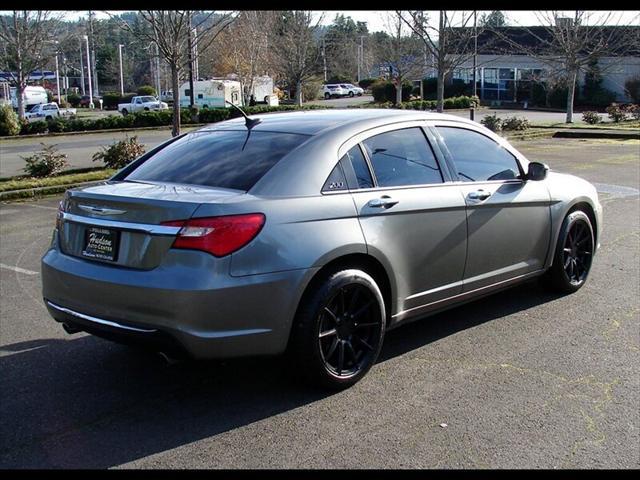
x: 98, y: 320
x: 136, y: 227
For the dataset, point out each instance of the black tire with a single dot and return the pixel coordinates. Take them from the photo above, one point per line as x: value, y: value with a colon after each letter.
x: 48, y: 118
x: 351, y: 94
x: 573, y: 254
x: 349, y: 304
x: 146, y: 109
x: 327, y: 96
x: 125, y: 112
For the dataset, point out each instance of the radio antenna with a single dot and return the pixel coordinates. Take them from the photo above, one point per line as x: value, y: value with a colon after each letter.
x: 249, y: 122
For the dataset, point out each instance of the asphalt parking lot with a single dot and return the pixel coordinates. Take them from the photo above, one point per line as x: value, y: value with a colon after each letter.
x: 521, y: 379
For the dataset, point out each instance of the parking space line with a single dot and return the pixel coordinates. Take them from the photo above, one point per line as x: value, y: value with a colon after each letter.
x: 19, y: 270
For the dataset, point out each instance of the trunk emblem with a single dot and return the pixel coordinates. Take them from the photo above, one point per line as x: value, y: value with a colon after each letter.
x: 101, y: 210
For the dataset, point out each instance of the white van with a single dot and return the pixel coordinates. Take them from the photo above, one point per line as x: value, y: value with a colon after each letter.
x: 211, y: 93
x: 32, y: 96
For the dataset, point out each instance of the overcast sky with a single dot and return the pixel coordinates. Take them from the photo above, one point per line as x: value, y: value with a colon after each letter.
x: 375, y: 18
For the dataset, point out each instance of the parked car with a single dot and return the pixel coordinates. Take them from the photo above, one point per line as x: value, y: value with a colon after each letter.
x: 312, y: 233
x: 48, y: 111
x: 84, y: 101
x: 333, y: 90
x: 166, y: 96
x: 352, y: 89
x: 142, y: 103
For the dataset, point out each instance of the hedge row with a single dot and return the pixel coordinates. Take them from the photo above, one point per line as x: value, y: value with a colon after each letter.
x: 449, y: 103
x: 148, y: 119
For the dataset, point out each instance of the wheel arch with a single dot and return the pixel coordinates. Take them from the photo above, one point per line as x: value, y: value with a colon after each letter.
x: 585, y: 205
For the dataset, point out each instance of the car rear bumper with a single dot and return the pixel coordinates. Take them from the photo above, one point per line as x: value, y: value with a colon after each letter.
x: 198, y: 311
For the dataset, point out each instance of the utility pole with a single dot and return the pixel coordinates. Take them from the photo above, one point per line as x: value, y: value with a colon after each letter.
x: 57, y: 78
x: 81, y: 68
x: 475, y: 50
x: 121, y: 75
x: 324, y: 59
x: 93, y: 52
x: 91, y: 105
x: 190, y: 47
x: 361, y: 56
x: 195, y: 54
x: 158, y: 87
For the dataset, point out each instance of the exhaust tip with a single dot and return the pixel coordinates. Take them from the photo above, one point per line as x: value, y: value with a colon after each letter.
x: 70, y: 329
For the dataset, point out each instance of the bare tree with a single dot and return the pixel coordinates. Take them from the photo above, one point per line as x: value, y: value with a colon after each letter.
x: 170, y: 31
x: 27, y: 36
x: 399, y: 51
x: 298, y: 52
x: 244, y: 47
x: 449, y: 44
x: 568, y: 44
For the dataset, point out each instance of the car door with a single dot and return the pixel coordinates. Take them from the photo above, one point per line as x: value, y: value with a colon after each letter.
x: 508, y: 218
x: 411, y: 215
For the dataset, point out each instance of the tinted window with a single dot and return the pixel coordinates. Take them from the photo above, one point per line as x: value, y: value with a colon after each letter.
x: 402, y: 157
x: 336, y: 180
x: 356, y: 169
x: 218, y: 159
x: 477, y: 157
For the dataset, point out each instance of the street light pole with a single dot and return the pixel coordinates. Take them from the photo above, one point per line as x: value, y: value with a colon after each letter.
x: 58, y: 79
x: 81, y: 68
x: 121, y: 75
x: 91, y: 105
x: 475, y: 51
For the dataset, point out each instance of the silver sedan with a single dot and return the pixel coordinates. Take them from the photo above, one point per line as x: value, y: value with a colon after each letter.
x: 312, y: 234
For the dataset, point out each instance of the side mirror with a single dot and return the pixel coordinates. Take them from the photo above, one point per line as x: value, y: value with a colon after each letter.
x: 537, y: 171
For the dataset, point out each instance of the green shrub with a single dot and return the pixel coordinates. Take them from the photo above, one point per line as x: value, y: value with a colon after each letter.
x: 146, y: 90
x: 30, y: 128
x: 9, y: 123
x: 558, y: 97
x: 110, y: 100
x: 632, y: 88
x: 365, y: 83
x: 120, y: 154
x: 616, y: 113
x: 590, y: 117
x: 74, y: 99
x: 49, y: 95
x: 492, y: 122
x: 515, y: 123
x: 47, y: 161
x: 385, y: 91
x: 57, y: 125
x: 212, y: 115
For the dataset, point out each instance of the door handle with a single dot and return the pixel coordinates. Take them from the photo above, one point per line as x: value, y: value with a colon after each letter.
x: 383, y: 202
x: 479, y: 195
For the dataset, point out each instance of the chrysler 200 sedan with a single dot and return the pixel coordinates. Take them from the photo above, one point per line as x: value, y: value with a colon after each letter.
x: 311, y: 233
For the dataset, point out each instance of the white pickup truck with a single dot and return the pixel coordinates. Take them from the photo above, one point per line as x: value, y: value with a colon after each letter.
x: 48, y: 111
x: 142, y: 103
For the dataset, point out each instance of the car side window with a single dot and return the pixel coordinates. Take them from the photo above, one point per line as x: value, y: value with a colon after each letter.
x: 477, y: 157
x: 356, y: 169
x: 403, y: 157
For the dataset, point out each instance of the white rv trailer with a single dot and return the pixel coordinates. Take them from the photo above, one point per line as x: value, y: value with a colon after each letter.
x: 211, y: 93
x: 33, y: 95
x: 262, y: 88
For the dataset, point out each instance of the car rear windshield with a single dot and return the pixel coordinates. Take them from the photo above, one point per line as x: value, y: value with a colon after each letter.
x: 234, y: 159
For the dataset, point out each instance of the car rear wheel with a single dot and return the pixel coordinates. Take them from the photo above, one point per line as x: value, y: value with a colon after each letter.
x: 327, y: 96
x: 339, y: 330
x: 573, y: 255
x: 124, y: 111
x: 351, y: 94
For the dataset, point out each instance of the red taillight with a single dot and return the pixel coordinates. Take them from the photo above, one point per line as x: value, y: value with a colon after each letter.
x: 219, y: 236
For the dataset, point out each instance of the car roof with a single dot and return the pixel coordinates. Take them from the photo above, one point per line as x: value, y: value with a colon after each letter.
x: 312, y: 122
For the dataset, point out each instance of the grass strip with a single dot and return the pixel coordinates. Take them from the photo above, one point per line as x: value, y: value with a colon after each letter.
x: 58, y: 180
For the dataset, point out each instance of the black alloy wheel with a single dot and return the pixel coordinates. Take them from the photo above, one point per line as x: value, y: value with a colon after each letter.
x: 577, y: 252
x: 349, y: 326
x: 339, y: 329
x: 573, y: 254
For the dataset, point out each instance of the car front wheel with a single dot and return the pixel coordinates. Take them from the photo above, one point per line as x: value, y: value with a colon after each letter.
x: 573, y: 255
x: 327, y: 96
x: 339, y: 329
